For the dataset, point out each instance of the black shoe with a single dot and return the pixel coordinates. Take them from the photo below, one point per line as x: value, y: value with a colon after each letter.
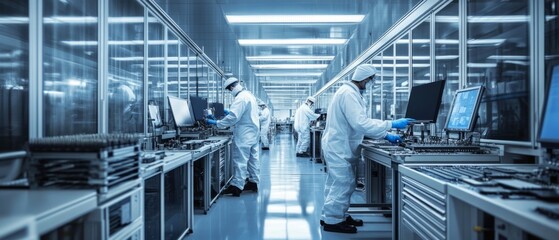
x: 250, y: 186
x: 349, y: 220
x: 354, y: 221
x: 341, y: 227
x: 233, y: 190
x: 265, y: 148
x: 303, y: 155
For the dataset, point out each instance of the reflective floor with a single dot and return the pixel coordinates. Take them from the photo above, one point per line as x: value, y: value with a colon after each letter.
x: 287, y: 205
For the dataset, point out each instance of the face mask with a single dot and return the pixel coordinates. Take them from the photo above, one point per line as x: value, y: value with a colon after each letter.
x: 236, y: 90
x: 368, y: 87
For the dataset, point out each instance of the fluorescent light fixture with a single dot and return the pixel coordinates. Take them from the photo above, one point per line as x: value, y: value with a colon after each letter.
x: 447, y: 41
x: 446, y: 19
x: 80, y: 43
x: 154, y: 58
x: 399, y: 65
x: 508, y: 57
x: 248, y: 19
x: 522, y: 63
x: 290, y: 58
x: 481, y: 65
x: 414, y: 41
x: 292, y: 41
x: 289, y: 66
x: 287, y: 89
x: 446, y: 57
x: 119, y: 43
x: 289, y: 74
x: 490, y: 19
x: 14, y: 20
x: 70, y: 19
x: 495, y: 42
x: 269, y: 87
x: 77, y: 83
x: 498, y: 19
x: 131, y: 19
x: 283, y: 82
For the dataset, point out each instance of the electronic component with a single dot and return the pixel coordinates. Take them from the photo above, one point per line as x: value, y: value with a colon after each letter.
x: 424, y: 102
x: 549, y: 127
x: 463, y: 111
x: 198, y: 105
x: 552, y: 213
x: 182, y: 112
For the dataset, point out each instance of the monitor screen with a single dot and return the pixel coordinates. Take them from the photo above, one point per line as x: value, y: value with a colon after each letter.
x: 153, y: 111
x: 548, y: 127
x: 218, y: 109
x: 198, y: 105
x: 463, y: 111
x: 424, y: 102
x: 182, y: 113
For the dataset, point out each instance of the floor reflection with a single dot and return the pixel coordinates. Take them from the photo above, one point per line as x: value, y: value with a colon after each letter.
x: 287, y: 206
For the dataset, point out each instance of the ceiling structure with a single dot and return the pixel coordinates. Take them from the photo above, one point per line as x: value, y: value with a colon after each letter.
x: 285, y: 50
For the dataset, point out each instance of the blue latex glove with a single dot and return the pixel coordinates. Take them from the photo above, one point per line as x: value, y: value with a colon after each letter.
x: 210, y: 117
x: 226, y: 111
x: 401, y: 123
x: 211, y: 122
x: 393, y: 138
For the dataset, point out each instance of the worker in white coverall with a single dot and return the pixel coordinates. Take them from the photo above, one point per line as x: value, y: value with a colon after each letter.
x: 264, y: 125
x: 346, y: 125
x: 303, y: 116
x: 243, y: 114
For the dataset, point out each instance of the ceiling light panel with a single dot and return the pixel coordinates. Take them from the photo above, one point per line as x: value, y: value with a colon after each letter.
x: 272, y: 82
x: 289, y: 66
x: 283, y: 58
x: 296, y: 19
x: 289, y: 74
x: 293, y: 41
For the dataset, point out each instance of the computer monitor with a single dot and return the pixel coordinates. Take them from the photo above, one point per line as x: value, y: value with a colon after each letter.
x: 198, y: 105
x: 549, y: 129
x: 219, y: 110
x: 182, y: 112
x: 424, y: 102
x: 153, y: 111
x: 463, y: 111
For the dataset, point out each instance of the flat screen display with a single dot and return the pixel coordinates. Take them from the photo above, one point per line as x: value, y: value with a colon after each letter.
x: 153, y: 111
x: 549, y: 129
x: 198, y: 105
x: 463, y: 111
x: 219, y: 110
x: 424, y: 102
x: 182, y: 113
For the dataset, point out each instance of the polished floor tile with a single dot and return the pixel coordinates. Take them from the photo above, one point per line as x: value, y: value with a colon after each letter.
x: 287, y: 206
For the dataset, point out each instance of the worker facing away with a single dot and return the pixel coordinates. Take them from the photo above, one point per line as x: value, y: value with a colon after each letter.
x: 264, y: 125
x: 243, y: 115
x: 346, y: 125
x: 303, y: 116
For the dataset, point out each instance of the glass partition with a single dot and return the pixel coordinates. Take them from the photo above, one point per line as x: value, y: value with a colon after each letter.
x: 126, y: 66
x: 376, y: 106
x: 202, y: 76
x: 156, y: 62
x: 421, y: 53
x: 187, y: 60
x: 212, y: 85
x: 551, y: 31
x: 401, y: 75
x: 498, y: 58
x: 446, y: 57
x: 387, y: 81
x: 14, y: 75
x: 70, y: 67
